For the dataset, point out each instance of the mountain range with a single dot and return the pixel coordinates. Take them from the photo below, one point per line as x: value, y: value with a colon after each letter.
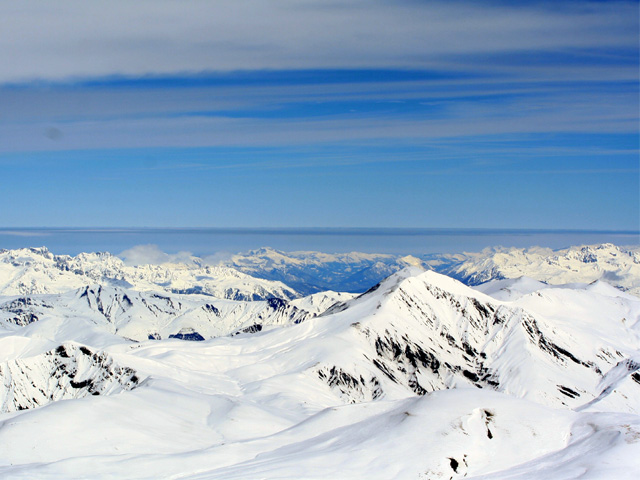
x: 418, y: 377
x: 309, y: 272
x: 36, y: 270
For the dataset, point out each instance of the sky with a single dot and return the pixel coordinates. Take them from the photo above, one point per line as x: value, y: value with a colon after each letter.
x: 320, y: 113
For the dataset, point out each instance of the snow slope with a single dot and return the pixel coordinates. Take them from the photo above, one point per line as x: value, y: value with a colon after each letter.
x: 142, y: 315
x: 421, y: 377
x: 69, y: 371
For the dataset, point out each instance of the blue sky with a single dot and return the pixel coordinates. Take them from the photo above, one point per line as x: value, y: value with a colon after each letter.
x: 315, y: 113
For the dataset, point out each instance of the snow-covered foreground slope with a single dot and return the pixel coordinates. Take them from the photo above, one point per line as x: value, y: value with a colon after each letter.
x: 419, y: 378
x: 167, y: 432
x: 36, y: 270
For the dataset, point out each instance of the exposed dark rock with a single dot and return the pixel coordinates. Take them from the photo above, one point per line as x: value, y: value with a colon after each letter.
x: 276, y: 303
x: 211, y: 309
x: 250, y: 329
x: 354, y: 389
x: 568, y: 391
x: 191, y: 336
x: 536, y: 336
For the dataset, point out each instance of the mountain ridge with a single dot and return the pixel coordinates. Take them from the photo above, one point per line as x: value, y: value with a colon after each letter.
x: 36, y: 270
x: 418, y: 377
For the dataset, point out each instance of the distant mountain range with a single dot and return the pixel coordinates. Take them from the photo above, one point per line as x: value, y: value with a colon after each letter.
x: 268, y: 273
x: 309, y: 272
x: 619, y: 266
x: 36, y: 270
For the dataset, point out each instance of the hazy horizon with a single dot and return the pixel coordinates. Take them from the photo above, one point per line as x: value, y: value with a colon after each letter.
x: 211, y: 241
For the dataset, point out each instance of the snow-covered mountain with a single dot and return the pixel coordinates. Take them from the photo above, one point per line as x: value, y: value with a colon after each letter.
x: 616, y: 265
x: 428, y: 332
x: 268, y: 273
x: 311, y: 272
x: 156, y: 315
x: 69, y: 371
x: 36, y: 270
x: 420, y: 377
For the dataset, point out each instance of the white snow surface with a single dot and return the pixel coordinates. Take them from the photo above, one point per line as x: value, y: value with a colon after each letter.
x: 310, y: 272
x: 619, y: 266
x: 421, y: 377
x: 36, y: 270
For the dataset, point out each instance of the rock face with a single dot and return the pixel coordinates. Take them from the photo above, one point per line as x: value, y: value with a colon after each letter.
x: 69, y: 371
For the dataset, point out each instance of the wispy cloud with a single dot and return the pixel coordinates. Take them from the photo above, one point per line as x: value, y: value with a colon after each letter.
x: 74, y: 38
x: 560, y: 109
x: 24, y: 233
x: 153, y: 255
x: 191, y: 74
x: 318, y: 111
